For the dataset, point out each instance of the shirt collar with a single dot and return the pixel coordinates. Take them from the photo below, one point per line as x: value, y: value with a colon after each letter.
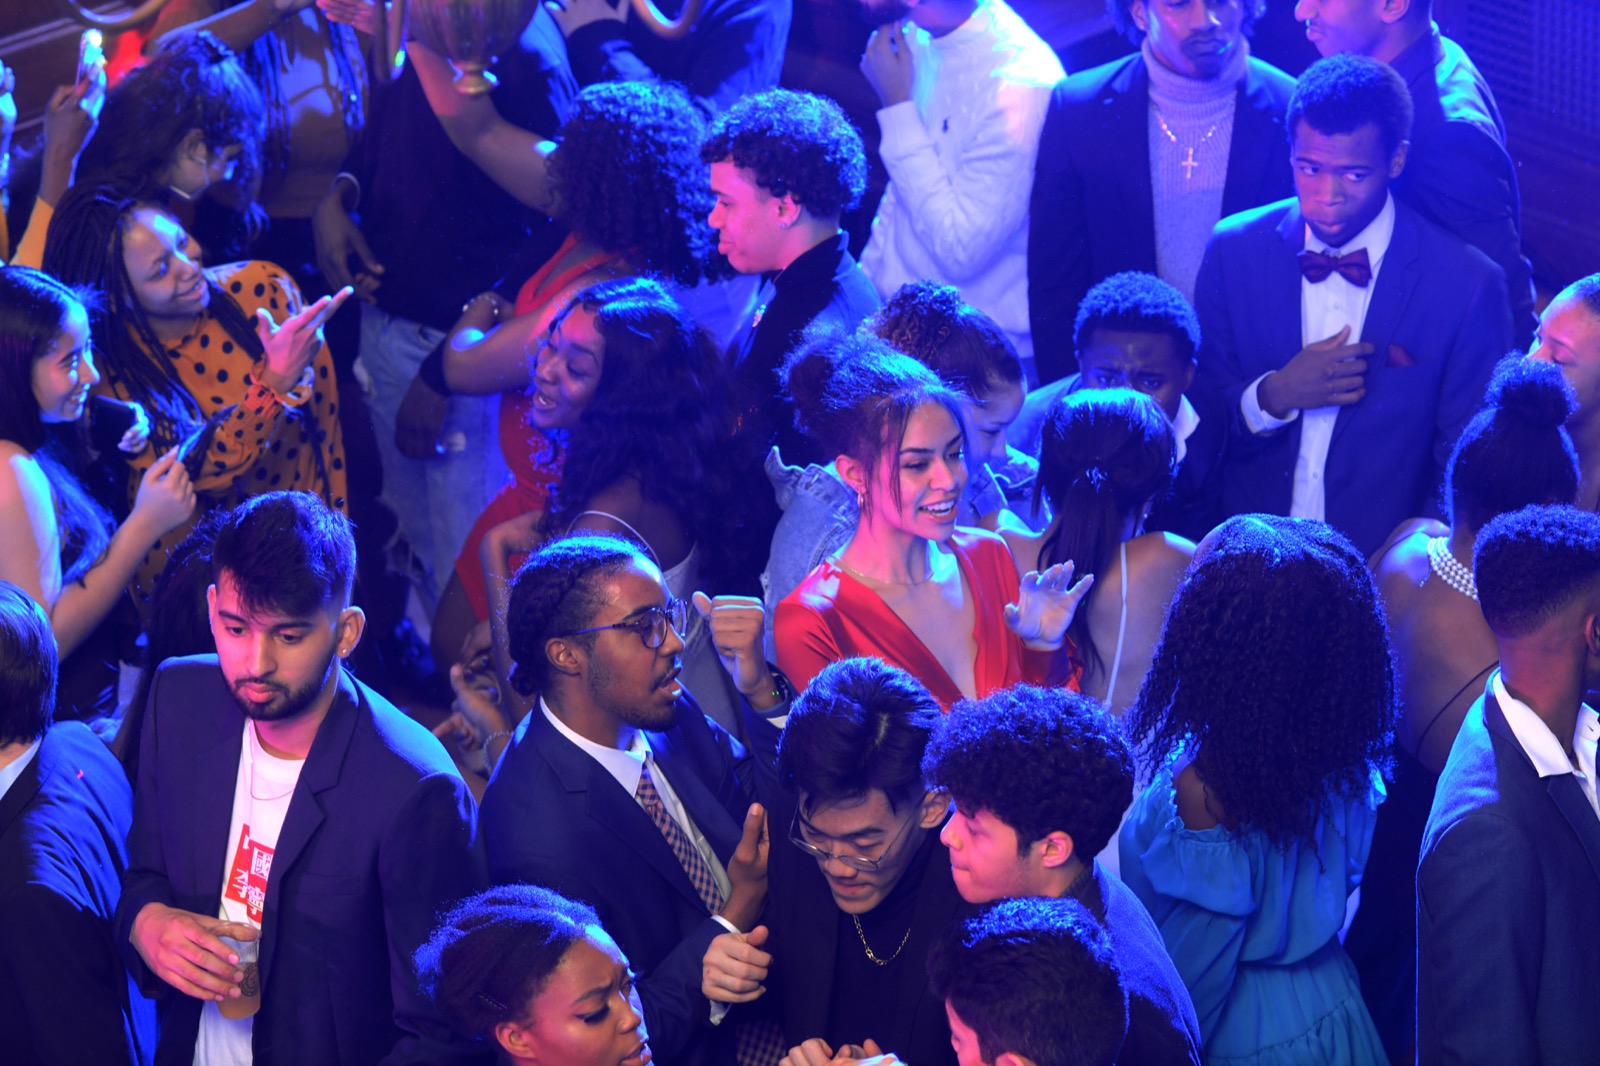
x: 1184, y: 425
x: 1548, y: 755
x: 624, y: 764
x: 1375, y: 238
x: 13, y: 769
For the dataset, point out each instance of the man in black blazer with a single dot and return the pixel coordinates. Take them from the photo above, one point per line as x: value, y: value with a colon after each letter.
x: 64, y: 811
x: 614, y: 743
x: 1124, y: 182
x: 1509, y: 880
x: 1348, y: 338
x: 1459, y: 175
x: 325, y: 827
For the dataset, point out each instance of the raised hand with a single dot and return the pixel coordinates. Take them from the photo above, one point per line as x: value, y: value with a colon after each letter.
x: 1325, y: 373
x: 737, y: 625
x: 735, y: 966
x: 291, y: 346
x: 166, y: 497
x: 887, y: 64
x: 747, y: 870
x: 1046, y: 604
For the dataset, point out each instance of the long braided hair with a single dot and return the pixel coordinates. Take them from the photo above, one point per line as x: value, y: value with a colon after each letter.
x: 265, y: 61
x: 85, y: 247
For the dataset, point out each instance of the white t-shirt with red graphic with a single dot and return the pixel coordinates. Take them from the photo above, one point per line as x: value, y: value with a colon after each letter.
x: 261, y: 794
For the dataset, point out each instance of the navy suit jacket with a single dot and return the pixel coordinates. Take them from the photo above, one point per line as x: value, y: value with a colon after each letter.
x: 1438, y: 322
x: 553, y: 816
x: 65, y: 997
x: 377, y: 841
x: 1092, y: 213
x: 1458, y: 174
x: 1507, y: 893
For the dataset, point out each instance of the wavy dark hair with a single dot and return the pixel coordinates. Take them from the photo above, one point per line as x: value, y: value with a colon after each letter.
x: 1342, y: 93
x: 492, y: 954
x: 1104, y: 454
x: 796, y: 144
x: 28, y: 668
x: 659, y: 413
x: 33, y: 311
x: 1274, y: 666
x: 1516, y: 450
x: 192, y: 81
x: 85, y: 247
x: 931, y: 323
x: 853, y: 395
x: 628, y: 177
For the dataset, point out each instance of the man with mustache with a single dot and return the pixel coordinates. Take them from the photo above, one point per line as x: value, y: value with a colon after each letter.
x: 619, y: 791
x: 284, y: 805
x: 1349, y: 338
x: 1140, y: 158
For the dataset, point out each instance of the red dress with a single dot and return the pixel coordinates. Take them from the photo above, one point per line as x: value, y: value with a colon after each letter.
x: 833, y: 616
x: 533, y: 463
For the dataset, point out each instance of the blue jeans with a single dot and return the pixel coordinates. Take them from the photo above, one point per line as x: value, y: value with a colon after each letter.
x: 435, y: 500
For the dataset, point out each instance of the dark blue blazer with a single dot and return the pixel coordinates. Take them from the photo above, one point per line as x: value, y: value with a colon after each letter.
x: 1507, y: 893
x: 1092, y: 213
x: 1458, y: 174
x: 378, y: 839
x: 65, y: 997
x: 1438, y: 322
x: 553, y: 816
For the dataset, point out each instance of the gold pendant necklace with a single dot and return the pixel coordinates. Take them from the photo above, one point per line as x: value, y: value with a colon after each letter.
x: 873, y: 958
x: 1189, y: 162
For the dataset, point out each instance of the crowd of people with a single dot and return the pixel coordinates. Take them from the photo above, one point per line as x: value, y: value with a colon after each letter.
x: 1141, y: 611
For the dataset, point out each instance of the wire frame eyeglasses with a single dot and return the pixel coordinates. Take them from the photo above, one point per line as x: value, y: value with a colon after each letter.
x: 855, y: 862
x: 649, y: 624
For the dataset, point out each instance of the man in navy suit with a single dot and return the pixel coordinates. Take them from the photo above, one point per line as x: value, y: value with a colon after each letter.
x: 1460, y: 176
x: 618, y: 791
x: 1509, y: 881
x: 286, y: 806
x: 1139, y: 158
x: 1348, y: 338
x: 64, y: 811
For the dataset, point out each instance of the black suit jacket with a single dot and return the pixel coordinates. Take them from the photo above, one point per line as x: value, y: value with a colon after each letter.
x: 378, y: 839
x: 553, y: 816
x: 65, y: 997
x: 1507, y: 892
x: 1438, y: 322
x: 1092, y: 213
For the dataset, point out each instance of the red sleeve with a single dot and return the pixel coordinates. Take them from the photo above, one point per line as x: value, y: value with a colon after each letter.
x: 805, y: 641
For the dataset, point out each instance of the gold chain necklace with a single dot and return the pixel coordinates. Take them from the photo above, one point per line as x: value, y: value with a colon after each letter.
x: 1189, y: 163
x: 873, y: 958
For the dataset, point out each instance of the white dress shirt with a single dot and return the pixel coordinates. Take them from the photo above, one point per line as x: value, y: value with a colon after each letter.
x: 1546, y: 753
x: 1326, y: 307
x: 13, y: 769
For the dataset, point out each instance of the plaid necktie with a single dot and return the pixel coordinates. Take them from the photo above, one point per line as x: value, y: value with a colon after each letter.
x: 757, y: 1042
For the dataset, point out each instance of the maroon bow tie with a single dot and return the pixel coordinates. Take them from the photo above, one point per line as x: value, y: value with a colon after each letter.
x: 1355, y: 269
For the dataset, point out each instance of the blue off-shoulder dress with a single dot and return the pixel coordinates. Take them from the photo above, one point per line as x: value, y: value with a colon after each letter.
x: 1254, y: 929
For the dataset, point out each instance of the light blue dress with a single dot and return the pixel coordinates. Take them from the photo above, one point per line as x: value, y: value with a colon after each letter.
x: 1254, y: 929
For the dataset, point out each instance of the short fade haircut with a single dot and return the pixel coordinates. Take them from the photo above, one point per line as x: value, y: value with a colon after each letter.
x: 1586, y: 289
x: 1038, y: 759
x: 1532, y: 564
x: 860, y: 725
x: 557, y: 591
x: 287, y: 552
x: 795, y: 144
x: 1139, y: 303
x: 1036, y: 978
x: 28, y: 667
x: 1121, y: 12
x: 1344, y: 92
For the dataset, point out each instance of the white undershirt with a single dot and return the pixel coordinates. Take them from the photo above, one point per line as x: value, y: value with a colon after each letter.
x: 1326, y: 307
x: 262, y: 791
x: 1546, y: 753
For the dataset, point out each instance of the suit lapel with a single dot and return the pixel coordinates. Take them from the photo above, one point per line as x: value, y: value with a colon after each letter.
x: 215, y: 769
x: 1391, y: 294
x: 321, y: 772
x: 1127, y: 110
x: 1564, y: 790
x: 23, y: 789
x: 713, y: 819
x: 1257, y: 148
x: 1281, y: 290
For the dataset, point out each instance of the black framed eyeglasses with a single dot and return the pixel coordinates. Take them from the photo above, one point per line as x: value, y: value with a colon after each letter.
x: 855, y: 862
x: 649, y: 624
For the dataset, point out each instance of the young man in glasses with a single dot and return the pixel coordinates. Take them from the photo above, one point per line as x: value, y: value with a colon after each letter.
x: 617, y: 790
x: 861, y: 889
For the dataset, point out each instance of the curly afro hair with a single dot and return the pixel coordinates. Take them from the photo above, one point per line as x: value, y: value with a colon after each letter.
x: 626, y: 176
x: 796, y: 144
x: 1041, y: 760
x: 1344, y: 92
x: 1139, y: 303
x: 1274, y: 667
x: 1532, y: 564
x: 932, y: 324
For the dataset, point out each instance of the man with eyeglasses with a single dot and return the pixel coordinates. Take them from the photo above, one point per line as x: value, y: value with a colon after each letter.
x: 617, y: 790
x: 862, y: 889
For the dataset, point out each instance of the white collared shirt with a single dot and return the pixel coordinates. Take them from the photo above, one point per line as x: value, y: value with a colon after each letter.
x: 1326, y: 307
x: 1546, y: 753
x: 13, y: 769
x: 626, y: 766
x: 1184, y: 425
